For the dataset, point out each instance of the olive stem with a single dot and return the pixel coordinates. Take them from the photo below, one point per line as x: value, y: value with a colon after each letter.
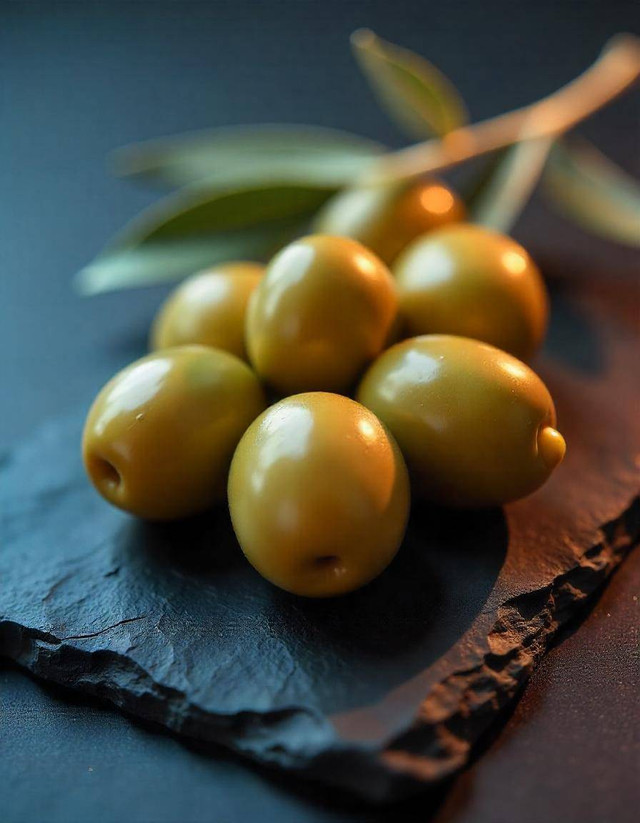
x: 615, y: 70
x: 551, y: 446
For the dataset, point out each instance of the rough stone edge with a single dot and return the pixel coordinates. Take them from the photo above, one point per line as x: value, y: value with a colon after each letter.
x: 460, y: 709
x: 451, y: 719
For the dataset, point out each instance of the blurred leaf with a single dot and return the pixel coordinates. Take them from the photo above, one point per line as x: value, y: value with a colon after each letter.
x: 416, y: 94
x: 194, y: 211
x: 249, y: 155
x: 194, y: 229
x: 507, y: 183
x: 590, y: 189
x: 163, y: 261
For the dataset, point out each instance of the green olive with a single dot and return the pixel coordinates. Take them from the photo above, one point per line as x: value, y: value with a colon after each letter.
x: 160, y: 435
x: 208, y: 308
x: 470, y: 281
x: 320, y: 314
x: 386, y: 219
x: 475, y: 425
x: 319, y: 495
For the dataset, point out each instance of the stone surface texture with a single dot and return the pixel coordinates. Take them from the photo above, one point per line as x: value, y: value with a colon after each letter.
x: 381, y: 692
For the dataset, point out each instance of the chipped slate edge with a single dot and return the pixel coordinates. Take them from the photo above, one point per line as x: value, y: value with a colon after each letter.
x: 452, y: 718
x: 462, y: 707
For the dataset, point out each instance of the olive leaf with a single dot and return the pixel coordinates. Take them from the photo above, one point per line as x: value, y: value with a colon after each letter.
x: 590, y: 189
x: 507, y: 184
x: 164, y: 261
x: 195, y: 228
x: 416, y: 94
x: 249, y: 155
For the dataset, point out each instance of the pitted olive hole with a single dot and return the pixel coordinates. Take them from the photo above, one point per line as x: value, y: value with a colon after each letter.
x: 330, y: 562
x: 107, y: 473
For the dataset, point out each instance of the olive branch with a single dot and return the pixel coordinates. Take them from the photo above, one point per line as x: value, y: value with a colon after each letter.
x: 244, y: 192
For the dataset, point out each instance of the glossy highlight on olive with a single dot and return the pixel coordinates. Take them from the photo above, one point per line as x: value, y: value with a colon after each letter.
x: 473, y: 282
x: 318, y: 495
x: 476, y: 426
x: 386, y: 218
x: 208, y: 308
x: 160, y: 435
x: 321, y: 313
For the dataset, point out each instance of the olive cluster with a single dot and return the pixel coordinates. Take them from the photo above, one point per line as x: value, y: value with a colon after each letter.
x: 318, y: 483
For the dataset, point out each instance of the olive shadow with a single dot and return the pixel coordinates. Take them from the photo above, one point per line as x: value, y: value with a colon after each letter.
x: 422, y: 586
x: 345, y: 651
x: 199, y: 546
x: 572, y: 339
x: 376, y: 638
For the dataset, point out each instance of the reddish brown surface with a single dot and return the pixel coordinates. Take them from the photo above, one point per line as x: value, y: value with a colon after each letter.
x: 573, y: 742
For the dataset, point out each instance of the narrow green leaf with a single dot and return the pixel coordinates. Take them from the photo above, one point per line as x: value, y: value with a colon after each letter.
x: 590, y: 189
x: 249, y: 155
x: 164, y: 261
x: 416, y: 94
x: 198, y: 212
x: 193, y: 229
x: 508, y: 183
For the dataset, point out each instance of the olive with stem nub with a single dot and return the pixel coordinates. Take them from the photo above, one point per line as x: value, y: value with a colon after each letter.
x: 476, y: 426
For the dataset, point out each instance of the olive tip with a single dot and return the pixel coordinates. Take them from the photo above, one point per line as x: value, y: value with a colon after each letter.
x: 551, y: 446
x: 329, y: 563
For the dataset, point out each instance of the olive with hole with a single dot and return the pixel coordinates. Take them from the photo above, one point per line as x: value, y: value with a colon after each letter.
x: 208, y: 309
x: 319, y: 495
x: 159, y: 437
x: 323, y: 310
x: 467, y: 280
x: 476, y: 426
x: 386, y: 218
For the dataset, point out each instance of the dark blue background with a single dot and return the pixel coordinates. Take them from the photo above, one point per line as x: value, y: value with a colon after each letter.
x: 79, y: 79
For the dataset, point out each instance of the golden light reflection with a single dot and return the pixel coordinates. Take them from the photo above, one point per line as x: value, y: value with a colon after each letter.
x: 367, y: 429
x: 137, y: 387
x: 378, y: 475
x: 289, y: 268
x: 436, y: 199
x: 365, y: 264
x: 209, y: 287
x: 514, y: 262
x: 515, y: 369
x: 286, y: 435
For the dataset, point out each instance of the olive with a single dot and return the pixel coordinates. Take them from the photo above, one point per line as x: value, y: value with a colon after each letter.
x: 159, y: 437
x: 470, y: 281
x: 208, y: 308
x: 320, y: 314
x: 387, y: 218
x: 475, y: 425
x: 318, y: 494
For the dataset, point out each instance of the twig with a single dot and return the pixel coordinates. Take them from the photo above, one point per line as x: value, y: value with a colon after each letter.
x: 615, y: 70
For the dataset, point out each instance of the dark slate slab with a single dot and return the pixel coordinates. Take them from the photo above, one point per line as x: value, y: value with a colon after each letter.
x: 383, y: 691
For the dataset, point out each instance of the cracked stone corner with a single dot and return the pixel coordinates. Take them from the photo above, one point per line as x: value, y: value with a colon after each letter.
x: 439, y: 743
